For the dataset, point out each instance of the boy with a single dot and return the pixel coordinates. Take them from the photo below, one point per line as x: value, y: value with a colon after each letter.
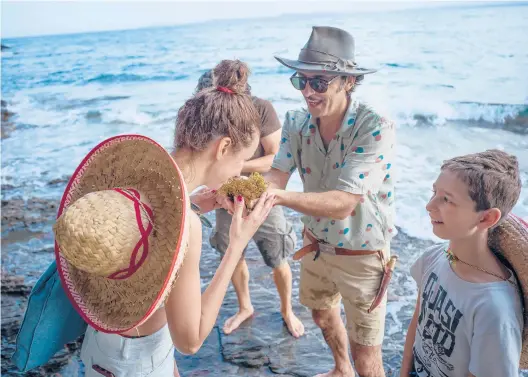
x: 468, y: 319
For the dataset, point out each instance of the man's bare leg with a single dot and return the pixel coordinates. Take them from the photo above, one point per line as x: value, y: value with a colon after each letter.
x: 282, y: 276
x: 334, y: 333
x: 367, y: 360
x: 240, y: 282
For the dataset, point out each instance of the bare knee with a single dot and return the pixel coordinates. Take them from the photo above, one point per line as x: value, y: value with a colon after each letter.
x: 323, y: 318
x: 282, y: 269
x: 241, y: 270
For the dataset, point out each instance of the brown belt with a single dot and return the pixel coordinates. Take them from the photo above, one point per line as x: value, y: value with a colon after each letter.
x: 319, y: 246
x: 387, y: 267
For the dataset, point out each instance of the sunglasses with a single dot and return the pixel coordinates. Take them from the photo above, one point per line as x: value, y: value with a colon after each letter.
x: 317, y: 84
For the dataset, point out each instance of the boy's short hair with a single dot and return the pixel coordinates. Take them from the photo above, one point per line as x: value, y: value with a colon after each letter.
x: 492, y: 178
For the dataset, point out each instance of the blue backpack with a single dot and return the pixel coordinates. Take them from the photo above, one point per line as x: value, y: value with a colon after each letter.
x: 50, y: 322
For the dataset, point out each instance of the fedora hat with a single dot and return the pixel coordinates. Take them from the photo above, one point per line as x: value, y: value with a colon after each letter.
x: 329, y: 50
x: 510, y: 241
x: 121, y: 232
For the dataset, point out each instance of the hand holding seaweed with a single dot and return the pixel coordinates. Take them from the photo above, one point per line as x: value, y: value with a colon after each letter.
x: 250, y: 188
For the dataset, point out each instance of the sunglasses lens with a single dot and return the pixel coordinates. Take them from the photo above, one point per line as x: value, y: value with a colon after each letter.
x: 318, y: 85
x: 298, y: 83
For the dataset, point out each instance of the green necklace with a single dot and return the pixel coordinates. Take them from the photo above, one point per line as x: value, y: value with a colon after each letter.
x: 452, y: 258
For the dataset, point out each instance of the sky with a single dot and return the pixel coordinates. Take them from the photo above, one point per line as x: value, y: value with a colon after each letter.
x: 31, y: 18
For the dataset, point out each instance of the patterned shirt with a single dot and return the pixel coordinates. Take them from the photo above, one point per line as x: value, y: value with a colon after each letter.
x: 358, y: 160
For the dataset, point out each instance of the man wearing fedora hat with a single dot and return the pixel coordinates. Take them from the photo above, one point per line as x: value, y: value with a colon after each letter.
x: 343, y: 150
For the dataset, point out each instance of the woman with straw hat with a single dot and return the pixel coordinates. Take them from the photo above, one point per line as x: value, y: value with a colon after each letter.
x: 128, y: 247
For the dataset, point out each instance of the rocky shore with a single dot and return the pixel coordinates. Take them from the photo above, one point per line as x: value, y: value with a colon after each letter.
x: 261, y: 347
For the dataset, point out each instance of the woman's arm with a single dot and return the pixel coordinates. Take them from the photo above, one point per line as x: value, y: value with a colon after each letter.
x: 191, y: 315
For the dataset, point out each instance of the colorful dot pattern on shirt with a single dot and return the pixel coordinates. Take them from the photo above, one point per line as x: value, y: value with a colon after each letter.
x: 359, y: 153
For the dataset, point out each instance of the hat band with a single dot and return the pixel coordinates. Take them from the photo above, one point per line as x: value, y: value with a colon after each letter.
x: 143, y: 241
x: 331, y: 63
x: 224, y: 89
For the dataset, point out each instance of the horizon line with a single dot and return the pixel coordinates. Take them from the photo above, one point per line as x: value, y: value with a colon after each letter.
x: 422, y: 6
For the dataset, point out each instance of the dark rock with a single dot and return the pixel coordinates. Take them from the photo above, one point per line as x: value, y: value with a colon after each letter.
x: 14, y: 303
x: 14, y: 285
x: 7, y: 186
x: 19, y: 213
x: 6, y: 114
x: 252, y: 353
x: 518, y: 123
x: 424, y: 120
x: 13, y: 308
x: 57, y: 181
x: 54, y: 367
x: 47, y: 250
x: 7, y: 125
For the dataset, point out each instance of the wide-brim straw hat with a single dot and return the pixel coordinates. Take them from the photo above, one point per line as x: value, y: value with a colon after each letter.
x: 510, y: 240
x: 121, y: 232
x: 329, y: 51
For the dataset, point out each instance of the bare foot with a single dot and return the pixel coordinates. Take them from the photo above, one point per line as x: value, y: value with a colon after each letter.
x: 232, y: 323
x: 335, y: 373
x: 295, y: 326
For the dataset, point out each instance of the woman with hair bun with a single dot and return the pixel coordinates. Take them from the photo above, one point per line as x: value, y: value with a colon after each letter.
x: 217, y: 130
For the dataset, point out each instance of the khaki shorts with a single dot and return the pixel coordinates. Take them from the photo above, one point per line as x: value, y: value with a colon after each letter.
x: 356, y: 279
x: 275, y: 238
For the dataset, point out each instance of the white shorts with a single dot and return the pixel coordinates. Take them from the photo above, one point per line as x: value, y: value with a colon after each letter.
x: 152, y: 355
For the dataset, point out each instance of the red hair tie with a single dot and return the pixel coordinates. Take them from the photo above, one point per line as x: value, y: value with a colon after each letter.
x: 224, y: 89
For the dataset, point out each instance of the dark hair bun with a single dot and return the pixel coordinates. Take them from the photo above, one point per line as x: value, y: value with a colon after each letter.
x: 231, y: 74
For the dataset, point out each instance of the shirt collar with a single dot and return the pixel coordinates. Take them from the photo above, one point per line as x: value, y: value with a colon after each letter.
x: 310, y: 123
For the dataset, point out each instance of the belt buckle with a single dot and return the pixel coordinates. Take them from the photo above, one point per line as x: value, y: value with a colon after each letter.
x: 326, y: 248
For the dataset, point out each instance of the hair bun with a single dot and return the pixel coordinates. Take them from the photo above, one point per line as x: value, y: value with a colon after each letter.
x: 231, y: 74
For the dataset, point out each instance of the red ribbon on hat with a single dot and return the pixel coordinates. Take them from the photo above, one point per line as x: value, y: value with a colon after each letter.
x: 143, y: 241
x: 224, y: 89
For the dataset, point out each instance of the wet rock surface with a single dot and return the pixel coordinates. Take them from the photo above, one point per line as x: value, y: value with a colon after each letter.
x: 262, y: 346
x: 59, y: 181
x: 19, y: 213
x: 14, y: 301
